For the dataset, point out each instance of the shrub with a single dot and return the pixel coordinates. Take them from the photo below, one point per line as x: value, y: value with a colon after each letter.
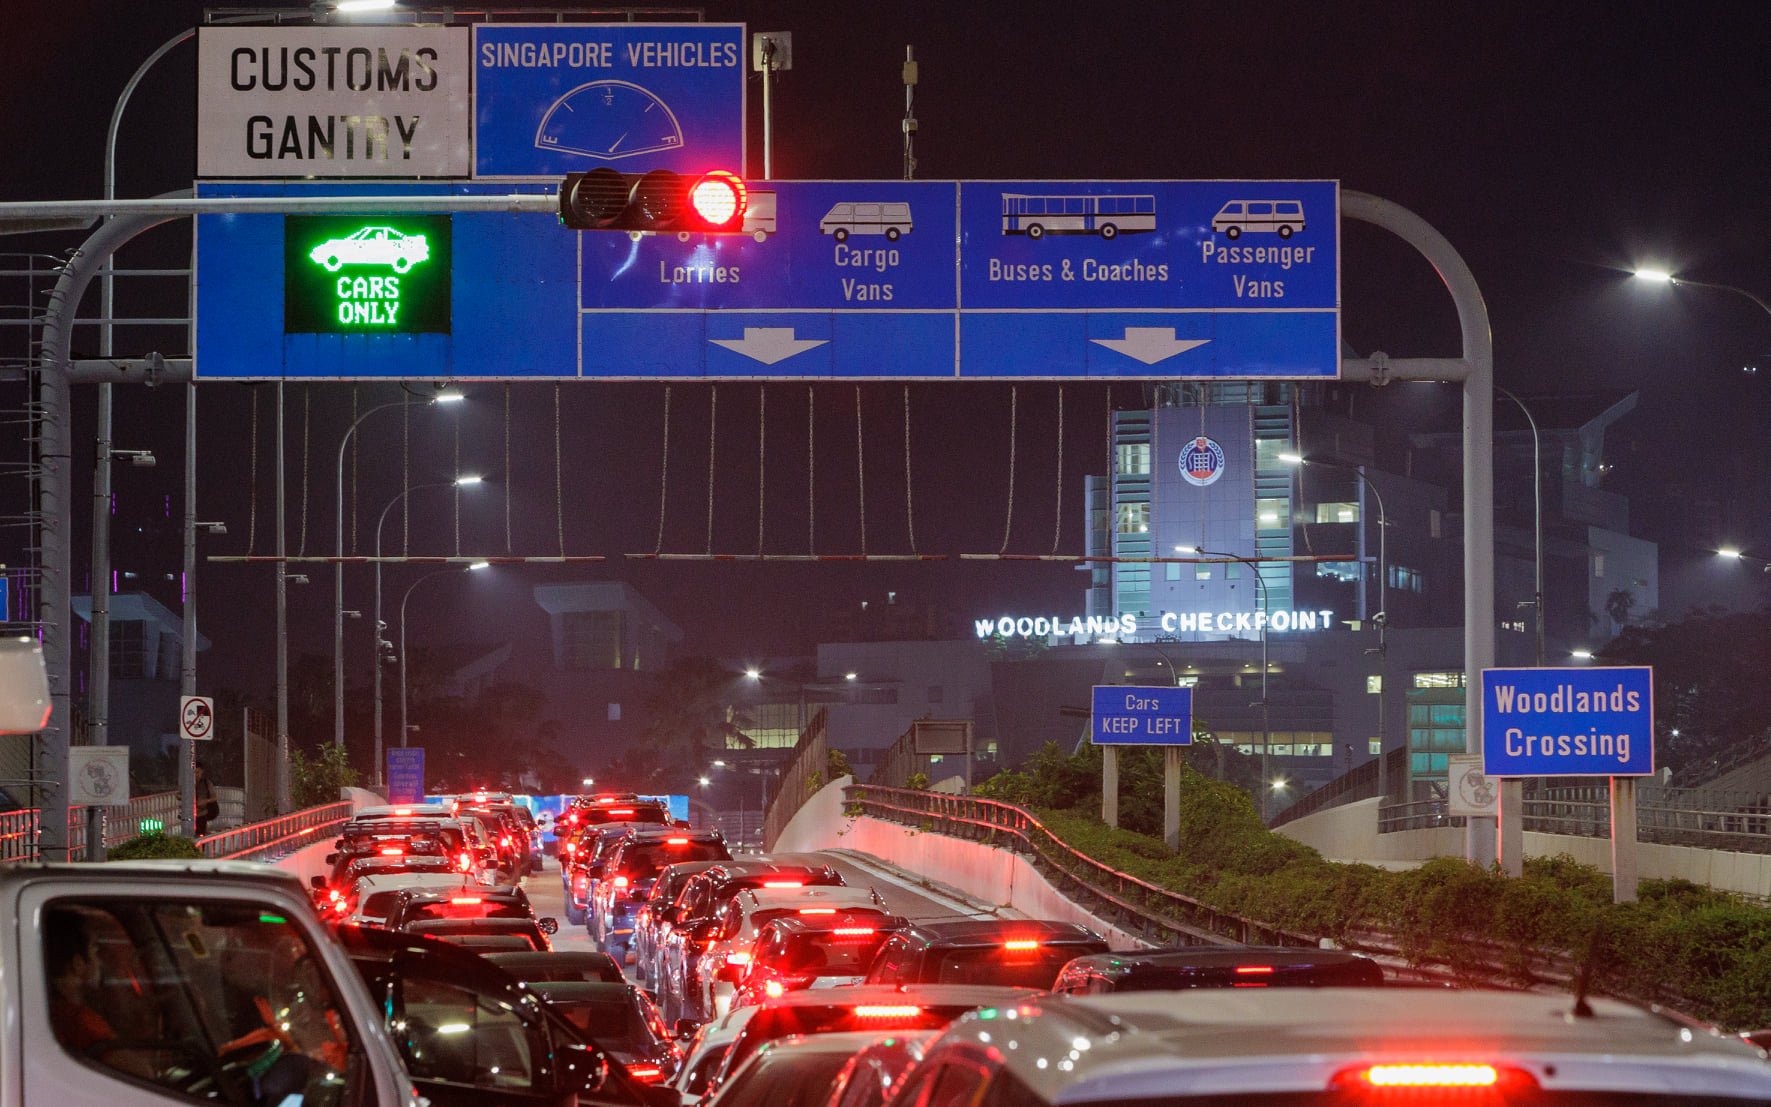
x: 917, y: 781
x: 313, y: 783
x: 836, y: 764
x: 148, y: 847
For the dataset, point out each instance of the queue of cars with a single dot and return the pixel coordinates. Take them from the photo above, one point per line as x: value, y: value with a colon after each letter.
x: 773, y: 982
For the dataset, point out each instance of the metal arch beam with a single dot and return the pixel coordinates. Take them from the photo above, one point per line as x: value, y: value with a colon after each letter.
x: 55, y: 455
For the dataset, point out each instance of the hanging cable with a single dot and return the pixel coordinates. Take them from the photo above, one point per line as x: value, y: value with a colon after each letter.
x: 909, y: 495
x: 1058, y: 526
x: 559, y: 494
x: 762, y: 426
x: 405, y: 480
x: 457, y: 423
x: 506, y: 470
x: 712, y: 454
x: 252, y: 478
x: 307, y: 405
x: 1014, y: 423
x: 811, y: 486
x: 356, y: 448
x: 861, y: 469
x: 663, y: 473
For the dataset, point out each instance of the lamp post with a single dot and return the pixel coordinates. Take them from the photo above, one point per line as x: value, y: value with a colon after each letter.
x: 379, y: 627
x: 405, y: 727
x: 1266, y: 717
x: 1661, y: 276
x: 338, y: 565
x: 1382, y: 618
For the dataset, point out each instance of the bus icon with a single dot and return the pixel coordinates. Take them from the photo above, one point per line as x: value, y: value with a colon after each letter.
x: 1107, y: 216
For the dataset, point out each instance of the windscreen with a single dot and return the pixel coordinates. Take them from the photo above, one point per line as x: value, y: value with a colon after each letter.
x: 829, y: 953
x: 478, y: 910
x: 626, y: 813
x: 614, y: 1024
x: 643, y: 862
x: 449, y: 930
x: 772, y: 1023
x: 798, y: 1079
x: 1014, y: 968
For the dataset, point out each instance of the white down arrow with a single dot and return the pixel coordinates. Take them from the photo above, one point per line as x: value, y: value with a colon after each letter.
x: 1150, y: 344
x: 771, y: 344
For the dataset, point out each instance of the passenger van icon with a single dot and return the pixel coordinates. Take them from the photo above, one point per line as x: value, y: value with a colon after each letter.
x: 1283, y: 217
x: 843, y: 220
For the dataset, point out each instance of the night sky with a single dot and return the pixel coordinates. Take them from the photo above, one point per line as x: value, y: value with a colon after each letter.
x: 1554, y: 145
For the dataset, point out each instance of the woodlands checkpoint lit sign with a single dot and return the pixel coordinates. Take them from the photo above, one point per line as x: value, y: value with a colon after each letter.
x: 1169, y: 622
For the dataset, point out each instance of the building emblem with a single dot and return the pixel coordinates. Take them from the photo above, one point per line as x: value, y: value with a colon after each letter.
x: 1202, y: 461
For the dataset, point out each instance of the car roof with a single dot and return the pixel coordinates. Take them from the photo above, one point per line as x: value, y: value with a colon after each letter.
x: 583, y: 991
x: 842, y: 1041
x: 821, y: 924
x: 504, y: 893
x: 654, y: 836
x: 1219, y: 957
x: 827, y: 895
x: 403, y: 810
x: 990, y: 932
x: 516, y: 963
x: 398, y: 881
x: 1204, y: 1042
x: 928, y: 995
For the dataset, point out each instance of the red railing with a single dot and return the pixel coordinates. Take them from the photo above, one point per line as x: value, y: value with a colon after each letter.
x: 18, y: 829
x: 278, y: 837
x: 261, y: 841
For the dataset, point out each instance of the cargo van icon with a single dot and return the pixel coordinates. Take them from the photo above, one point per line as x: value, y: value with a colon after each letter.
x: 843, y: 220
x: 1282, y: 217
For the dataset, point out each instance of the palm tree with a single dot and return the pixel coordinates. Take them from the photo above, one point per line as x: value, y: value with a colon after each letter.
x: 691, y: 709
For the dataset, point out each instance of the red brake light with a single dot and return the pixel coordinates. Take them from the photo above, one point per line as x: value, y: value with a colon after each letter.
x: 676, y: 841
x: 1428, y: 1075
x: 1254, y: 970
x: 466, y: 899
x: 620, y: 810
x: 817, y: 910
x: 740, y: 958
x: 645, y: 1074
x: 465, y: 862
x: 620, y: 882
x: 774, y: 990
x: 887, y: 1011
x: 391, y: 851
x: 853, y: 931
x: 784, y: 884
x: 335, y: 895
x: 1021, y: 944
x: 571, y: 848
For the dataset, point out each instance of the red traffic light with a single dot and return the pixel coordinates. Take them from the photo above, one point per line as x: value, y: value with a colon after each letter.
x: 659, y: 202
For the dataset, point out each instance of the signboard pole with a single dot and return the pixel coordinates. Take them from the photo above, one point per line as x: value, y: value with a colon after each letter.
x: 1110, y: 785
x: 1623, y: 839
x: 1171, y: 796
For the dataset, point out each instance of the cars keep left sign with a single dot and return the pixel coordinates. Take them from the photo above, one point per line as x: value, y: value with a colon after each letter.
x: 1568, y: 722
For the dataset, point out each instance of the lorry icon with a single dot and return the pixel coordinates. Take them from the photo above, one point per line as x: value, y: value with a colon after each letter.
x: 889, y: 219
x: 1282, y: 217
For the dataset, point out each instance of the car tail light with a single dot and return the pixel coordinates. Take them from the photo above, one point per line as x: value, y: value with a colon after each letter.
x: 774, y: 989
x: 620, y: 810
x: 571, y: 848
x: 1254, y: 970
x: 676, y: 841
x: 853, y: 931
x: 335, y: 895
x: 1459, y: 1074
x: 391, y: 851
x: 817, y: 910
x: 887, y: 1011
x: 784, y: 884
x: 738, y: 960
x: 466, y: 899
x: 1021, y: 945
x: 620, y: 882
x: 646, y: 1074
x: 402, y: 810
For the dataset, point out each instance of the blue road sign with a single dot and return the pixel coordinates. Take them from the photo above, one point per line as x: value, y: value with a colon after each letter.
x: 551, y: 99
x: 1568, y: 722
x: 830, y: 280
x: 5, y: 599
x: 405, y: 774
x: 1127, y: 715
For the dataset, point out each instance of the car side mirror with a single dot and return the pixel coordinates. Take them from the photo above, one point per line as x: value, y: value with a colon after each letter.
x: 582, y: 1070
x: 704, y: 930
x: 318, y: 883
x: 548, y: 925
x: 685, y: 1029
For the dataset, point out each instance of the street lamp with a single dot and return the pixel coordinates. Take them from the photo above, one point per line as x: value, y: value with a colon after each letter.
x: 1661, y: 276
x: 1734, y: 553
x: 1382, y: 618
x: 1266, y: 717
x: 405, y: 728
x: 445, y: 397
x: 381, y: 645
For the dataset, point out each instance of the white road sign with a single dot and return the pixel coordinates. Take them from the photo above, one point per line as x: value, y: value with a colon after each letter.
x: 196, y: 718
x: 98, y: 775
x: 334, y: 102
x: 1471, y: 793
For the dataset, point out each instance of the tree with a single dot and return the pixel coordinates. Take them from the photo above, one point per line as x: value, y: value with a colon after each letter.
x: 691, y: 710
x: 1710, y: 693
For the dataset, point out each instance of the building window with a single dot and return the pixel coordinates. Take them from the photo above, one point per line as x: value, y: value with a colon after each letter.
x: 1374, y: 683
x: 1443, y: 679
x: 1347, y: 572
x: 1233, y: 570
x: 1134, y: 460
x: 1337, y: 513
x: 1272, y: 514
x: 1435, y: 524
x: 1598, y: 565
x: 590, y: 640
x: 1173, y: 570
x: 1134, y: 519
x: 1401, y: 576
x: 1202, y: 572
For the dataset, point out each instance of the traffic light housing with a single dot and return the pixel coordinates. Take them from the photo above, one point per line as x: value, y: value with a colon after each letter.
x: 659, y: 202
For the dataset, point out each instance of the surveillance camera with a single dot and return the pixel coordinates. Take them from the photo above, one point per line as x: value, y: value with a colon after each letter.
x: 296, y: 578
x: 217, y: 528
x: 142, y: 460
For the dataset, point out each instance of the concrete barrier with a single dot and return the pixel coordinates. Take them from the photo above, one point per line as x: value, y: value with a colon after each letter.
x: 986, y: 873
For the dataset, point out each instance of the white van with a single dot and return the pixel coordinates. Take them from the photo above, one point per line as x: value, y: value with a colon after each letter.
x: 1284, y: 217
x: 843, y: 220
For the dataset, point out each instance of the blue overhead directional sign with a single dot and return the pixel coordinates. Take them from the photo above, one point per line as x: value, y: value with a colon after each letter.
x: 1125, y: 715
x: 551, y: 99
x: 830, y: 280
x: 1568, y: 722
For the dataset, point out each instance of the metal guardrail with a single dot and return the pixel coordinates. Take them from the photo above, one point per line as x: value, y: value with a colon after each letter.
x: 1705, y: 818
x: 800, y: 778
x: 278, y: 837
x: 18, y: 829
x: 1137, y: 906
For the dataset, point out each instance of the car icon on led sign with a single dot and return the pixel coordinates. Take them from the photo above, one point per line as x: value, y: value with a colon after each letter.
x: 372, y: 246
